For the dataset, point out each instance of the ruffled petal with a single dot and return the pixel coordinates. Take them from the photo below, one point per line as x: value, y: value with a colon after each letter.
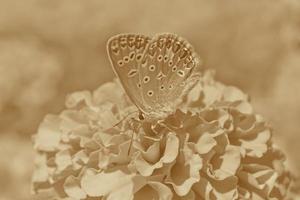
x: 49, y: 135
x: 154, y: 190
x: 114, y: 185
x: 73, y: 189
x: 76, y: 98
x: 212, y: 147
x: 146, y: 168
x: 185, y: 172
x: 261, y: 178
x: 227, y: 164
x: 205, y: 144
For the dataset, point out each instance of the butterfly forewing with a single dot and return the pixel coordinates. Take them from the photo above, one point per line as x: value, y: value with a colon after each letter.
x: 125, y: 52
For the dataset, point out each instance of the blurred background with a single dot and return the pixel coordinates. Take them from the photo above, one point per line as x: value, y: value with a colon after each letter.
x: 50, y: 48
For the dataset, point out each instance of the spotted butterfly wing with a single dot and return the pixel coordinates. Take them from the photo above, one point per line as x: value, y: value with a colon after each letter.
x: 125, y: 52
x: 169, y: 68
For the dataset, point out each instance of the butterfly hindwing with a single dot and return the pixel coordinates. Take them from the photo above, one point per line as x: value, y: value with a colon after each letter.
x: 154, y: 69
x: 125, y: 52
x: 170, y: 67
x: 184, y: 68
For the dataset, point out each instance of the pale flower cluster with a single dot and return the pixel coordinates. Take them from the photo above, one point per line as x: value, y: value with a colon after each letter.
x: 212, y: 147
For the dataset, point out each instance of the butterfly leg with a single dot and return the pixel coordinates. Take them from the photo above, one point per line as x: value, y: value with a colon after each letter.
x: 166, y: 126
x: 135, y: 125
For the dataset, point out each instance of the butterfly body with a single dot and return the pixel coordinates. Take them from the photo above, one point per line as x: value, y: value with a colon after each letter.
x: 155, y: 72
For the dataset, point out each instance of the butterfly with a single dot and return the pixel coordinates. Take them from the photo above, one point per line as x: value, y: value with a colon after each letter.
x: 154, y: 72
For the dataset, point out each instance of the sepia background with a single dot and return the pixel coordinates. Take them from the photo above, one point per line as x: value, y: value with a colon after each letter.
x: 50, y: 48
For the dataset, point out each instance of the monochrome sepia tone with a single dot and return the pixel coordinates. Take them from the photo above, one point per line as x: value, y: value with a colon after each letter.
x: 149, y: 100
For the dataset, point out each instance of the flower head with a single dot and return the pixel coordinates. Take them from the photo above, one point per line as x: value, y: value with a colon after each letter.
x: 212, y: 147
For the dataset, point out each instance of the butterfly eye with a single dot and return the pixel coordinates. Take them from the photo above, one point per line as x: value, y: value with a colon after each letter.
x: 139, y: 57
x: 132, y: 55
x: 132, y: 73
x: 183, y: 53
x: 169, y: 43
x: 138, y: 42
x: 150, y: 93
x: 115, y: 50
x: 166, y: 58
x: 146, y: 79
x: 174, y: 69
x: 115, y: 47
x: 120, y: 63
x: 180, y: 73
x: 123, y: 42
x: 161, y: 43
x: 176, y: 46
x: 114, y: 44
x: 144, y: 42
x: 126, y: 59
x: 152, y: 68
x: 159, y: 58
x: 130, y: 40
x: 144, y: 62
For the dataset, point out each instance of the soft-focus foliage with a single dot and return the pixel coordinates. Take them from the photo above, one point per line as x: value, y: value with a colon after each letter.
x: 214, y: 147
x: 244, y: 46
x: 29, y: 78
x: 16, y: 167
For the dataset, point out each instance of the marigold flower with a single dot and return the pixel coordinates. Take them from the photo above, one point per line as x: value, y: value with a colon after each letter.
x: 213, y: 147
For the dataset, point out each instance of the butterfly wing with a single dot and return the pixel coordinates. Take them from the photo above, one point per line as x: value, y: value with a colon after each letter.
x: 169, y: 68
x: 125, y: 52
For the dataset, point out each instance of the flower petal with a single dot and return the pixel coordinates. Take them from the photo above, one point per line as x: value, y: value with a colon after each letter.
x: 49, y: 135
x: 171, y: 149
x: 259, y: 177
x: 115, y: 185
x: 76, y: 98
x: 205, y: 143
x: 256, y: 147
x: 185, y: 173
x: 232, y: 94
x: 227, y: 164
x: 73, y: 189
x: 164, y: 192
